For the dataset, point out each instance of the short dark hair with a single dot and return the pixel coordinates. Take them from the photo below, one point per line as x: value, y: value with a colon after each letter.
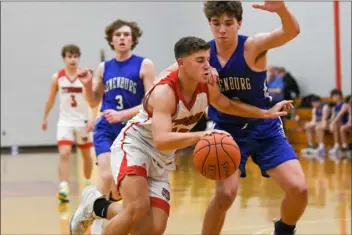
x: 218, y: 8
x: 189, y: 45
x: 315, y: 98
x: 135, y: 29
x: 336, y: 92
x: 73, y: 49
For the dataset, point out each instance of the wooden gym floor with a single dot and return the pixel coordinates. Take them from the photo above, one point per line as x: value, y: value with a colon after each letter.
x: 29, y: 206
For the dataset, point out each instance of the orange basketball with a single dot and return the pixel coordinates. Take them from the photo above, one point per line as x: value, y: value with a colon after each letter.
x: 216, y: 156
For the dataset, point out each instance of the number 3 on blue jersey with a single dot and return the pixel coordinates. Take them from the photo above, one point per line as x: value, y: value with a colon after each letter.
x: 119, y: 102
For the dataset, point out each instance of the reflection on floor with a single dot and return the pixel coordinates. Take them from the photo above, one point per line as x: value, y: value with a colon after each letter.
x: 29, y: 206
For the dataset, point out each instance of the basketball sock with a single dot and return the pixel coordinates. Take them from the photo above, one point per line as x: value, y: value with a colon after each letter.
x: 100, y: 207
x: 282, y: 228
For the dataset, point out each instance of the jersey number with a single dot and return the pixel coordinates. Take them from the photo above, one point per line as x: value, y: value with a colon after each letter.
x: 73, y: 101
x: 119, y: 102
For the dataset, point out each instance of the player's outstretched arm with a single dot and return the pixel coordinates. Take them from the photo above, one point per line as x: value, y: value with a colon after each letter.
x: 50, y: 100
x: 93, y: 87
x: 262, y: 42
x: 238, y: 108
x: 163, y: 103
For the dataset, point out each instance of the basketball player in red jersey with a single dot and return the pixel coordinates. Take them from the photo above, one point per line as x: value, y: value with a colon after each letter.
x: 74, y: 123
x: 144, y: 152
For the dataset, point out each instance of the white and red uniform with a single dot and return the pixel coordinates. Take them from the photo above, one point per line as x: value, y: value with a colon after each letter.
x: 73, y: 114
x: 134, y: 151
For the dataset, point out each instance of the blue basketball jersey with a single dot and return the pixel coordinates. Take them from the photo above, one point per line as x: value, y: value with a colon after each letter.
x: 337, y: 108
x: 123, y: 87
x: 238, y: 81
x: 319, y: 113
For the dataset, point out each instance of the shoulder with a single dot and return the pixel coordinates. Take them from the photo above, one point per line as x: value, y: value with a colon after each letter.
x: 147, y: 64
x: 163, y: 96
x: 55, y: 76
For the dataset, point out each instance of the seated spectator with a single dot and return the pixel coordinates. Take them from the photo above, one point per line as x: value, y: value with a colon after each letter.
x: 319, y: 123
x: 335, y: 120
x: 342, y: 123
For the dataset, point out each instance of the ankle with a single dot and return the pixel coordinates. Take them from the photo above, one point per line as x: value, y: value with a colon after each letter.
x: 283, y: 228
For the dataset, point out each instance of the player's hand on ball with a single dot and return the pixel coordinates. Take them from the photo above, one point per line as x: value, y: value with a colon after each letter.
x: 114, y: 116
x: 272, y: 6
x: 211, y: 132
x: 280, y: 109
x: 85, y: 76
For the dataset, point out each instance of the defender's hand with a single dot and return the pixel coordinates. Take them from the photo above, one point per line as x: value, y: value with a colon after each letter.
x: 271, y: 6
x: 85, y: 75
x: 113, y: 116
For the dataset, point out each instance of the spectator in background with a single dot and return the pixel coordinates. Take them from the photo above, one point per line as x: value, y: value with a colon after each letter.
x: 320, y: 115
x: 342, y: 123
x: 291, y: 89
x: 275, y: 85
x: 335, y: 120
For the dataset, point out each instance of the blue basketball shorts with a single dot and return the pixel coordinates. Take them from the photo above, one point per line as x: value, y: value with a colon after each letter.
x: 267, y: 153
x: 104, y: 135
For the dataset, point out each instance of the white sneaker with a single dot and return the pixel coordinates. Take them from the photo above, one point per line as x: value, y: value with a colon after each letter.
x: 84, y: 215
x: 64, y: 192
x: 307, y: 152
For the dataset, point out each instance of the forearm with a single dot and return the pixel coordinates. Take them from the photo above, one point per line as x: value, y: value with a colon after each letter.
x: 48, y: 106
x: 238, y: 108
x: 91, y: 96
x: 290, y: 26
x: 130, y: 113
x: 175, y: 140
x: 93, y: 113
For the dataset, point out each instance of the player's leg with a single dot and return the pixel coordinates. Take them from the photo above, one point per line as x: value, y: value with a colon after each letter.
x: 103, y: 139
x: 131, y: 176
x: 85, y: 144
x: 154, y: 223
x: 136, y: 204
x: 65, y: 140
x: 225, y: 192
x: 277, y: 158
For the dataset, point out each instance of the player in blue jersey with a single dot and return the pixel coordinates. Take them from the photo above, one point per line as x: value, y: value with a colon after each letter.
x: 119, y: 86
x: 241, y: 64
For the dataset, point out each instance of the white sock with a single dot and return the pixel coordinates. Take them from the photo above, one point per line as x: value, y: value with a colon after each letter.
x: 336, y: 146
x: 63, y: 184
x: 321, y: 146
x: 344, y: 146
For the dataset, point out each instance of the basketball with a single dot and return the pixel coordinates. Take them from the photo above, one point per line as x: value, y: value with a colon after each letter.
x: 216, y: 156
